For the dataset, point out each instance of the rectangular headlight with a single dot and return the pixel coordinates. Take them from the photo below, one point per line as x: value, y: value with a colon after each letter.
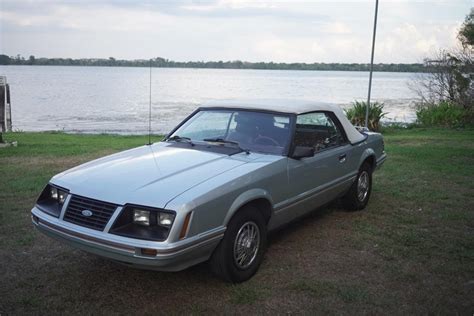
x: 143, y: 222
x: 51, y: 200
x: 141, y: 217
x: 165, y: 219
x: 61, y: 196
x: 58, y: 194
x: 54, y: 193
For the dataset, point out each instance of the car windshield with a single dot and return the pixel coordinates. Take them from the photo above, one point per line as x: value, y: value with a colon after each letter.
x: 253, y: 131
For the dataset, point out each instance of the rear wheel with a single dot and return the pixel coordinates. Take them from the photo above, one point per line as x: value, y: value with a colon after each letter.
x: 240, y: 252
x: 358, y: 195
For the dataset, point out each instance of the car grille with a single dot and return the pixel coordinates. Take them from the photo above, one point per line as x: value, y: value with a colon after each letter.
x: 101, y: 212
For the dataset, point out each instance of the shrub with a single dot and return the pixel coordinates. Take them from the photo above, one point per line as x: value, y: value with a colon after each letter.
x: 443, y: 114
x: 356, y: 114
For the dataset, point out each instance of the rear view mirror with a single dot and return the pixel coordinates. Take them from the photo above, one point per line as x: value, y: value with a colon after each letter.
x: 302, y: 152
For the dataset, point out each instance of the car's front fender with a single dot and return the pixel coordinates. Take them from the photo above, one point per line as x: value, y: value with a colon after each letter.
x: 245, y: 198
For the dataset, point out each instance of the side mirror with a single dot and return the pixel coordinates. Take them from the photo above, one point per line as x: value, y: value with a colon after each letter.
x: 302, y: 152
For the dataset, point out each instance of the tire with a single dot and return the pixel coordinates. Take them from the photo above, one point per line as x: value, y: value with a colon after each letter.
x: 226, y: 262
x: 358, y: 195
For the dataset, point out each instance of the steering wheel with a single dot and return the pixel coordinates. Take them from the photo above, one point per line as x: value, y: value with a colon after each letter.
x: 265, y: 140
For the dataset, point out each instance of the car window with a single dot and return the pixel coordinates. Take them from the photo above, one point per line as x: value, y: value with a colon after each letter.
x: 256, y: 131
x: 317, y: 130
x: 206, y: 124
x: 268, y: 126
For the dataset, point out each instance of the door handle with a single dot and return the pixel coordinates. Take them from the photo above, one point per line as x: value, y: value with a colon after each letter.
x: 342, y: 158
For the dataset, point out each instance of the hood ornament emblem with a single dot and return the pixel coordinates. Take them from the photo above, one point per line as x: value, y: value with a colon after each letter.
x: 86, y: 213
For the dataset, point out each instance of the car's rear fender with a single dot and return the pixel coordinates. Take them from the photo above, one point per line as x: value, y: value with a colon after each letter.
x: 369, y: 155
x: 374, y: 151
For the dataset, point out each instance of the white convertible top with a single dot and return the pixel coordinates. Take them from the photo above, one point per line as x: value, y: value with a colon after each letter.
x: 292, y: 107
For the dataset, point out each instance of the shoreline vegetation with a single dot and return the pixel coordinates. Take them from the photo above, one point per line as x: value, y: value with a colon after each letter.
x: 160, y: 62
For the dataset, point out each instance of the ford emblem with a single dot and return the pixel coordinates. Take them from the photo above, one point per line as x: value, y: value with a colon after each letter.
x: 86, y: 213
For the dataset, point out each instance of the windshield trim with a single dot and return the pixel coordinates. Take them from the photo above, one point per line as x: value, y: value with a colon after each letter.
x: 291, y: 116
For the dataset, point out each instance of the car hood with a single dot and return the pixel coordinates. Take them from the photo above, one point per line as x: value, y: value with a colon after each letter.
x: 148, y: 175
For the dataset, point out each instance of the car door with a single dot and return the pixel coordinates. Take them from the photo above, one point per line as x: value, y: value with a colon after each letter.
x: 316, y: 180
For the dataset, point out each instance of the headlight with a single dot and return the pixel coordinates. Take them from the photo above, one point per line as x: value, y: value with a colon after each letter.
x: 51, y: 200
x: 143, y: 223
x: 58, y: 194
x: 54, y: 193
x: 165, y: 219
x: 141, y: 217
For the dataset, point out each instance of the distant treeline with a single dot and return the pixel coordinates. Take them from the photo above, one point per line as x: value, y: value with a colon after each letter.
x: 237, y: 64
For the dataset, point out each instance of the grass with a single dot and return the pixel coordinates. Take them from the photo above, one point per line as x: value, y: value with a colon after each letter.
x: 244, y: 294
x: 410, y: 251
x: 348, y: 293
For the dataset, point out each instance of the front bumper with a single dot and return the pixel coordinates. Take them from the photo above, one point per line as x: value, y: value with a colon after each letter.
x: 169, y: 256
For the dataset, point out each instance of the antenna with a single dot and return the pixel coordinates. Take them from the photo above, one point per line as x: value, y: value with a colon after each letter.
x: 371, y: 64
x: 149, y: 112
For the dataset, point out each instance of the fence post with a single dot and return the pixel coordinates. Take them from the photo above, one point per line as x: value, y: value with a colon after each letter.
x: 5, y: 108
x: 3, y: 126
x: 8, y: 109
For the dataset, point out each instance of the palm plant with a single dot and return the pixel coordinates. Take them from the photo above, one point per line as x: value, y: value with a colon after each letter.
x: 356, y: 114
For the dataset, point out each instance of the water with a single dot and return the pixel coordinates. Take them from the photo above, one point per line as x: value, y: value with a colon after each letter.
x: 115, y: 100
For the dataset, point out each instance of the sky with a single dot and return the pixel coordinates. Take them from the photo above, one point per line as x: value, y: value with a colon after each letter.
x: 279, y: 31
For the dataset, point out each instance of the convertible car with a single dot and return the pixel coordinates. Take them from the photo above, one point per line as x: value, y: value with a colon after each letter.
x: 214, y: 187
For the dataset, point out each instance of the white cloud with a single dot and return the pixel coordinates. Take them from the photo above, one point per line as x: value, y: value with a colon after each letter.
x: 101, y: 18
x: 281, y: 31
x: 280, y: 50
x: 411, y: 43
x: 337, y: 28
x: 239, y: 4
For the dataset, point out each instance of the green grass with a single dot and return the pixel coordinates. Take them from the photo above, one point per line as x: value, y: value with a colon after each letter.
x: 410, y: 251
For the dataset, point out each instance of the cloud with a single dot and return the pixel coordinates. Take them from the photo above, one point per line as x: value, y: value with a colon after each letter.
x: 411, y: 43
x: 280, y: 50
x: 337, y: 27
x: 86, y: 18
x: 282, y: 31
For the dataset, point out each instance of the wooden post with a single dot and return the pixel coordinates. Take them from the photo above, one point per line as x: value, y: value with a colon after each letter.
x: 8, y: 108
x: 3, y: 125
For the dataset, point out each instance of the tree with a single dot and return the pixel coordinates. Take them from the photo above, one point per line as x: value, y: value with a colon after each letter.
x: 466, y: 33
x: 31, y: 60
x: 449, y: 75
x: 447, y: 80
x: 5, y: 60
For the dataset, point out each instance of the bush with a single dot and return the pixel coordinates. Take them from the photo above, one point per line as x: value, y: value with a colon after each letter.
x: 356, y: 114
x: 443, y: 114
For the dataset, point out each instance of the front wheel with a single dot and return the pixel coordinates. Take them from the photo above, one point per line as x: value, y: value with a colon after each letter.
x: 358, y: 195
x: 240, y: 252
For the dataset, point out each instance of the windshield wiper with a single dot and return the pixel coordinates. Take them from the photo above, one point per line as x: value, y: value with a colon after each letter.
x: 226, y: 141
x: 177, y: 138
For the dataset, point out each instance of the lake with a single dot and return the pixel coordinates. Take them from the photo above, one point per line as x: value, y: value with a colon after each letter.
x: 116, y: 99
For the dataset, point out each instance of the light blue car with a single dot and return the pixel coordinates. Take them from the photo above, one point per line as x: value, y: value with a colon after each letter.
x: 214, y: 187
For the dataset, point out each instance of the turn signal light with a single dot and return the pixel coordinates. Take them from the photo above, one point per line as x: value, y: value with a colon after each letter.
x: 184, y: 229
x: 149, y: 252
